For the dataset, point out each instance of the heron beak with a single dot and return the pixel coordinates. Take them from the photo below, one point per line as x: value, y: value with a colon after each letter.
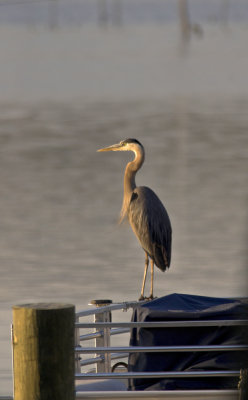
x: 114, y: 147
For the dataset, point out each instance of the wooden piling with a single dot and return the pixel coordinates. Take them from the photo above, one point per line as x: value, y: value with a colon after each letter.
x: 43, y: 351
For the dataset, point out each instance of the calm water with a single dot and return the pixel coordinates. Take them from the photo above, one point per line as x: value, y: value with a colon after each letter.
x: 60, y: 199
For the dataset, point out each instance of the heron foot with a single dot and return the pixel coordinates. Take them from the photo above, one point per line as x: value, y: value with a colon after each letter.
x: 142, y: 298
x: 151, y: 297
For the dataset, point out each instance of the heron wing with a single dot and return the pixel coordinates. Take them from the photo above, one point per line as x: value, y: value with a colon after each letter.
x: 151, y: 224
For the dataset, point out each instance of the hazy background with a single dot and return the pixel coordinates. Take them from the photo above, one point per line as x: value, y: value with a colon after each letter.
x: 80, y: 75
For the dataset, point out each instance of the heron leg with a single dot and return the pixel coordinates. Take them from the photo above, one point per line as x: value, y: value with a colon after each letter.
x: 144, y: 278
x: 152, y: 278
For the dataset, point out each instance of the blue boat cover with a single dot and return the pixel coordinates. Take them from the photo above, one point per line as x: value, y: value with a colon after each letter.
x: 183, y: 307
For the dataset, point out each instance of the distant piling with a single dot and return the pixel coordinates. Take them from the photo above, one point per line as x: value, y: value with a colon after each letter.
x: 43, y: 351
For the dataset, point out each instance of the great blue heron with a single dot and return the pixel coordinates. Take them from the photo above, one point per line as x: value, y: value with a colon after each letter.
x: 145, y: 212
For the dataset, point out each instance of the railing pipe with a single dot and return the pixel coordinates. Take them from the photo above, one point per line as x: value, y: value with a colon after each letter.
x: 162, y: 324
x: 113, y: 307
x: 119, y: 331
x: 152, y: 375
x: 89, y: 336
x: 95, y: 360
x: 90, y: 361
x: 161, y: 349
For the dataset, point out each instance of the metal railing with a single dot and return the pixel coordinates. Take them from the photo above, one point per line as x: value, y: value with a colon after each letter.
x: 104, y: 329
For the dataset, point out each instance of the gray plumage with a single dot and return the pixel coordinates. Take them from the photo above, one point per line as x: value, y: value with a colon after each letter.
x: 151, y: 224
x: 145, y: 212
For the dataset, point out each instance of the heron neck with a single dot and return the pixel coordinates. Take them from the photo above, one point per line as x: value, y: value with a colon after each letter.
x: 130, y: 173
x: 129, y: 181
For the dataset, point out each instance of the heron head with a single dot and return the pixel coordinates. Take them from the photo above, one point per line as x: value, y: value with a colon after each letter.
x: 125, y: 145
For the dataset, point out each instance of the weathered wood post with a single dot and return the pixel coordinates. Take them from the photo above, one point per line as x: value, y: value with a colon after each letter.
x: 43, y: 351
